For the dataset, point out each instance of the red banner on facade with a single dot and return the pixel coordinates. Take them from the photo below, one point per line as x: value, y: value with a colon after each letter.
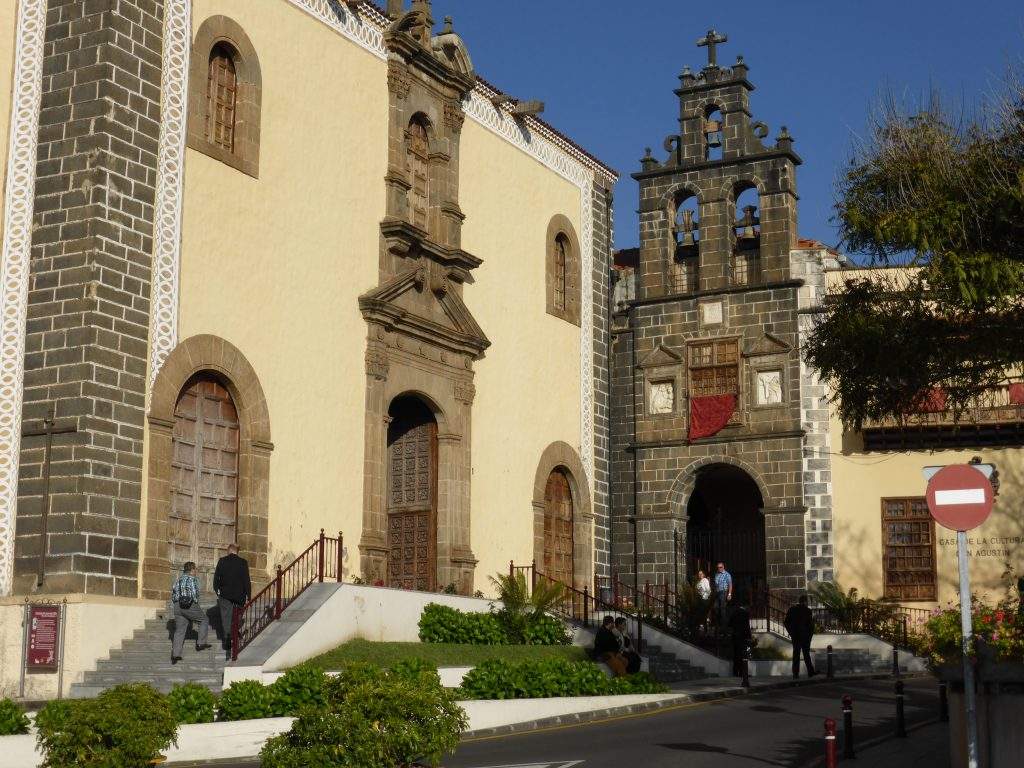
x: 709, y: 414
x: 1017, y: 393
x: 43, y: 634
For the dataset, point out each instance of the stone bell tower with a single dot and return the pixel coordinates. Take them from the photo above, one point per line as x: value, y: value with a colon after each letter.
x: 706, y: 385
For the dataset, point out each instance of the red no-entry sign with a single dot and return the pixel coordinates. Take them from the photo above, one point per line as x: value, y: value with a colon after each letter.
x: 960, y: 497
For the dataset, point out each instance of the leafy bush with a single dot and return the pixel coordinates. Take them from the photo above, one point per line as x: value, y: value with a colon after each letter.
x: 337, y: 687
x: 496, y: 679
x: 388, y: 721
x: 416, y: 670
x: 299, y: 687
x: 245, y: 700
x: 441, y: 624
x: 12, y: 718
x: 546, y: 630
x: 123, y: 727
x: 192, y: 703
x: 524, y: 608
x: 1000, y: 630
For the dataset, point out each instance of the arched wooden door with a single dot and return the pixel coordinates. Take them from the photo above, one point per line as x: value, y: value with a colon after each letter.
x: 412, y: 496
x: 558, y: 523
x: 204, y: 477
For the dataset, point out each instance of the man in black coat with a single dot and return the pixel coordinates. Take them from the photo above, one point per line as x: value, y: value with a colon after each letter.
x: 233, y: 587
x: 799, y: 623
x: 608, y: 649
x: 742, y: 637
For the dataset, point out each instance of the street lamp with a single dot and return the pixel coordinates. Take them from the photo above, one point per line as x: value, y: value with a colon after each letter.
x: 636, y: 560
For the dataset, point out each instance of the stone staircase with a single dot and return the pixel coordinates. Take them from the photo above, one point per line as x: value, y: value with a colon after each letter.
x: 146, y: 658
x: 666, y: 667
x: 855, y: 661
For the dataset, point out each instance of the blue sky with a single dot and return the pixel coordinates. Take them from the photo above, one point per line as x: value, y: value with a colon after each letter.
x: 607, y: 69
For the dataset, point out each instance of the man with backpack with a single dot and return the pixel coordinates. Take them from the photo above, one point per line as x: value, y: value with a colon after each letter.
x: 185, y: 597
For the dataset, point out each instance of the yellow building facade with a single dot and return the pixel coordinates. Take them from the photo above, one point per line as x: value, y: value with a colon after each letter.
x: 338, y: 282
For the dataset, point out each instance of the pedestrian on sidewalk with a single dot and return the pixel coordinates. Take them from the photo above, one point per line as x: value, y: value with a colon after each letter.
x: 723, y: 594
x: 607, y: 649
x: 233, y: 586
x: 799, y: 623
x: 185, y: 597
x: 742, y: 637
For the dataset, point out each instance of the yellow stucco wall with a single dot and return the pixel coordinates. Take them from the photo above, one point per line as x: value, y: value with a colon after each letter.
x: 861, y: 480
x: 275, y: 265
x: 528, y: 390
x: 8, y: 29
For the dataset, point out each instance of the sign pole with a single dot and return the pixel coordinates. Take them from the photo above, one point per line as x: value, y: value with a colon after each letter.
x: 965, y: 627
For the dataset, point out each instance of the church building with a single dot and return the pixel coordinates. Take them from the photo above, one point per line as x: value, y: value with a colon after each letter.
x: 724, y: 443
x: 277, y: 267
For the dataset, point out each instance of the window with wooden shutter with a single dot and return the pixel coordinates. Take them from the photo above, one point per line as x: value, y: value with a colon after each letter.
x: 908, y: 550
x: 417, y: 155
x: 714, y: 368
x: 561, y: 254
x: 221, y: 94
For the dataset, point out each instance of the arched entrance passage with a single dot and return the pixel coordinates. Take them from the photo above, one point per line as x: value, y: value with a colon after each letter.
x: 412, y: 495
x: 726, y: 523
x: 558, y: 528
x: 203, y: 518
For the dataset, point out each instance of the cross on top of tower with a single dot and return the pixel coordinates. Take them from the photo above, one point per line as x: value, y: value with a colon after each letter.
x: 710, y: 41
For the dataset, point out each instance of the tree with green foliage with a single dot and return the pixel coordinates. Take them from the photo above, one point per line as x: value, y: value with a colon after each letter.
x: 944, y: 197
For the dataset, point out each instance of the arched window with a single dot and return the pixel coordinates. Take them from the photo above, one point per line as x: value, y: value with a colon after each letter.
x: 746, y: 261
x: 561, y: 255
x: 225, y: 94
x: 712, y: 134
x: 562, y: 270
x: 417, y: 152
x: 221, y: 94
x: 684, y: 271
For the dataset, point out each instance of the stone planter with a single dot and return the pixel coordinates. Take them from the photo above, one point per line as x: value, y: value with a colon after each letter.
x: 1000, y: 704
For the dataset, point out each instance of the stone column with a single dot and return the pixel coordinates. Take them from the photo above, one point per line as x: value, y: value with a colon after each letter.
x: 373, y: 549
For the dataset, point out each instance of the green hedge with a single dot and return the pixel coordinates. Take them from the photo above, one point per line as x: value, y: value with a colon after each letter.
x: 12, y: 718
x: 372, y: 718
x: 192, y: 703
x: 442, y: 624
x: 123, y: 727
x: 497, y: 679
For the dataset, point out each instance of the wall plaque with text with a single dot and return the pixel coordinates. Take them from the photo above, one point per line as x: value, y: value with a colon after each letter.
x: 43, y: 635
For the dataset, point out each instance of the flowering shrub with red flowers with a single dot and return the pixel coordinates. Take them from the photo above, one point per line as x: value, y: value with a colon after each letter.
x: 999, y: 629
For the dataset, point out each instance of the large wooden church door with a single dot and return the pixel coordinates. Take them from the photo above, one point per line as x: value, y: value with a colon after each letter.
x: 204, y: 472
x: 558, y: 520
x: 412, y: 496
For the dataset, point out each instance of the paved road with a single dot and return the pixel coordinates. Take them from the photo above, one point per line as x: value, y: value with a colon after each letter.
x: 781, y: 728
x: 777, y: 728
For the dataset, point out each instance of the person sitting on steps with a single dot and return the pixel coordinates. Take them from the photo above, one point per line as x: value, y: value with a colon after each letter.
x: 626, y: 646
x: 185, y: 597
x: 606, y: 647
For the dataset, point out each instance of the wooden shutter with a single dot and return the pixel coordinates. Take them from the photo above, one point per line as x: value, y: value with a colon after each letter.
x: 908, y: 550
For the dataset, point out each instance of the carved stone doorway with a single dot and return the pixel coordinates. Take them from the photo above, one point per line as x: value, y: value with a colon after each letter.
x: 558, y: 529
x: 204, y: 477
x: 412, y: 495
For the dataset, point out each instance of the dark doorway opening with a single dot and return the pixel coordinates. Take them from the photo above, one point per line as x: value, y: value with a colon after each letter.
x: 726, y: 524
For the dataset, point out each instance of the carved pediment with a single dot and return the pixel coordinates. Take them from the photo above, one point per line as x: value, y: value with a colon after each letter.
x: 422, y: 304
x: 768, y: 344
x: 661, y: 356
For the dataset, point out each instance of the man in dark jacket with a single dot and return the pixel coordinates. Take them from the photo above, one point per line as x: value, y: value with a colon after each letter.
x: 799, y: 623
x: 233, y: 587
x: 739, y: 625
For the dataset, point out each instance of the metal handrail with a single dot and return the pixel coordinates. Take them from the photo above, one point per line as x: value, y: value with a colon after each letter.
x: 321, y: 560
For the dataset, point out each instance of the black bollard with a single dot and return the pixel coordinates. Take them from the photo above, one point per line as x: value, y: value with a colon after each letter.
x: 745, y: 682
x: 901, y: 724
x: 848, y: 727
x: 943, y: 702
x: 829, y: 668
x: 895, y: 662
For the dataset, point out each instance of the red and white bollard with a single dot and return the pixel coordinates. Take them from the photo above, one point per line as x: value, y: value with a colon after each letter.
x: 830, y: 743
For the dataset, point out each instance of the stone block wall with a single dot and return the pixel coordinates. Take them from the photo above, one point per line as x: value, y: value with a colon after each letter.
x: 602, y: 206
x: 88, y: 315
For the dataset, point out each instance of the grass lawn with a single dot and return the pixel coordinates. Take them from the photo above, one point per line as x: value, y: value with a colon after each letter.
x: 441, y: 654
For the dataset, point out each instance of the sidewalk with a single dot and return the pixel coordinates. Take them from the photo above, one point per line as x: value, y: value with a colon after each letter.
x: 925, y: 747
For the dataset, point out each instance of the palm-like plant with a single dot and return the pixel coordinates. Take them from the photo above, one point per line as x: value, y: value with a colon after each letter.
x: 520, y: 605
